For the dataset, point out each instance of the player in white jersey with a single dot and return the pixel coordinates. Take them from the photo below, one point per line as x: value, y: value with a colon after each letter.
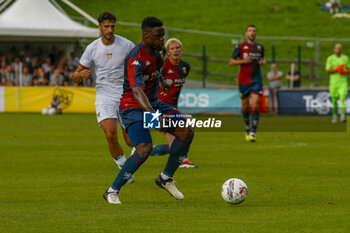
x: 107, y: 53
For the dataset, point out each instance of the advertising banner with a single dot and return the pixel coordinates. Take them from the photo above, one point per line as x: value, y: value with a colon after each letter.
x: 307, y: 102
x: 82, y: 100
x: 209, y: 100
x: 34, y: 99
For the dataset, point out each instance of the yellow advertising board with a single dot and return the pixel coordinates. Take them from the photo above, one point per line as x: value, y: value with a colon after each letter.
x: 34, y: 99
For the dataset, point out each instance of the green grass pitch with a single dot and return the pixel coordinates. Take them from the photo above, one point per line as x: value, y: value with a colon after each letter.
x: 54, y: 170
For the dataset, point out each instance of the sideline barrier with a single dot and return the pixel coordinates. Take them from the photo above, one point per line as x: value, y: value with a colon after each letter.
x: 82, y: 100
x: 307, y: 102
x: 193, y: 101
x: 34, y: 99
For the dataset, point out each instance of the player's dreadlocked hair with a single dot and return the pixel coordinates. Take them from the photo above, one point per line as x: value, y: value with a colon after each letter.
x: 151, y: 22
x: 106, y: 16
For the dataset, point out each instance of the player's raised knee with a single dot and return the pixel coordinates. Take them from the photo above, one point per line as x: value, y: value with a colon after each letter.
x: 188, y: 133
x: 144, y: 149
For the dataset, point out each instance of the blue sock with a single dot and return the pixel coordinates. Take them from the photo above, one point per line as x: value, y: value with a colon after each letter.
x: 178, y: 151
x: 255, y: 121
x: 246, y: 120
x: 160, y: 149
x: 129, y: 167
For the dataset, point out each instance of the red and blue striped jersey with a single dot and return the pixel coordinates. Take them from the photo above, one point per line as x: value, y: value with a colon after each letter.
x: 249, y: 73
x: 175, y: 77
x: 141, y: 70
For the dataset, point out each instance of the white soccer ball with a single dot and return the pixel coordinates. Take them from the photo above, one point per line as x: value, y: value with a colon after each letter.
x: 52, y: 111
x: 234, y: 191
x: 45, y: 111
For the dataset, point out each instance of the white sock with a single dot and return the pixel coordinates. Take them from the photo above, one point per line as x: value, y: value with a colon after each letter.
x: 111, y: 189
x: 164, y: 177
x: 120, y: 160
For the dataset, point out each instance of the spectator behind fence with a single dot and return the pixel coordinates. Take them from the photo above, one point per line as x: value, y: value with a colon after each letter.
x: 3, y: 66
x: 39, y: 78
x: 73, y: 61
x: 17, y: 67
x: 9, y: 76
x: 26, y: 78
x: 47, y: 65
x: 274, y: 77
x: 33, y: 64
x: 36, y: 65
x: 293, y: 77
x: 66, y: 74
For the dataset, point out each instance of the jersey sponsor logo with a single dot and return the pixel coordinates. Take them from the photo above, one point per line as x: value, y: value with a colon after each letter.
x: 184, y: 70
x: 148, y: 63
x: 135, y: 63
x: 169, y: 82
x: 109, y: 55
x: 170, y: 71
x: 179, y: 82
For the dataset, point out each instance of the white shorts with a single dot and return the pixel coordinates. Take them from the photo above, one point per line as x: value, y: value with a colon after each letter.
x: 108, y: 109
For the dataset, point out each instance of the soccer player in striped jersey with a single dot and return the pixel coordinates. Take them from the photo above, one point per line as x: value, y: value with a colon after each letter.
x: 175, y: 71
x: 250, y: 56
x: 143, y: 75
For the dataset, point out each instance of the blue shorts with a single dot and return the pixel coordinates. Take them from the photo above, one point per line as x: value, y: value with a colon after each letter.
x: 132, y: 119
x: 138, y: 134
x: 246, y: 89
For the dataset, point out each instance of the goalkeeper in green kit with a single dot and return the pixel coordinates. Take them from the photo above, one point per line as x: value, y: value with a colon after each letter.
x: 338, y: 66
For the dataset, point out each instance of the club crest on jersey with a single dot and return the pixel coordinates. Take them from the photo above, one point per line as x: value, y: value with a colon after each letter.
x: 148, y: 63
x: 245, y: 47
x: 161, y: 55
x: 109, y: 55
x: 259, y: 47
x: 170, y: 72
x: 184, y: 70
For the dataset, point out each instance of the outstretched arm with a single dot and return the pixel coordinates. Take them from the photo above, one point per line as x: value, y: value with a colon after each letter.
x: 234, y: 62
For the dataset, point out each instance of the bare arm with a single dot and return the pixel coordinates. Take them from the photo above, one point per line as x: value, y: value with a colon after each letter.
x: 80, y: 73
x: 262, y: 62
x: 234, y: 62
x: 275, y: 77
x: 141, y: 99
x: 295, y: 77
x: 165, y: 87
